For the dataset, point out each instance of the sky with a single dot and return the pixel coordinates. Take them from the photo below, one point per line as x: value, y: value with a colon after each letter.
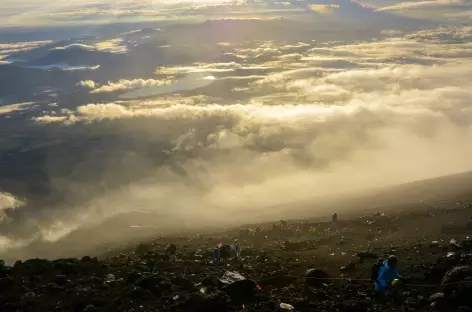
x: 42, y: 12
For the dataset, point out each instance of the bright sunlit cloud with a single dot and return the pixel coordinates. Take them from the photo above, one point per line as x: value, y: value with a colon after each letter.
x: 30, y: 12
x: 324, y: 8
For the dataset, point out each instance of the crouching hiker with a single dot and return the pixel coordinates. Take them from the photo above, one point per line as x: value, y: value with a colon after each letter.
x: 386, y: 277
x: 221, y: 253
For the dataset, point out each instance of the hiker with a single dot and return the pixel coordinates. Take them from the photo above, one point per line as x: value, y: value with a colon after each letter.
x: 334, y: 219
x: 221, y: 252
x: 170, y: 252
x: 225, y: 252
x: 216, y: 254
x: 236, y: 248
x: 385, y: 275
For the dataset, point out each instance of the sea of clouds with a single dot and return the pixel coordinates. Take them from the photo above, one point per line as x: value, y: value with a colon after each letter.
x: 276, y: 125
x: 326, y: 119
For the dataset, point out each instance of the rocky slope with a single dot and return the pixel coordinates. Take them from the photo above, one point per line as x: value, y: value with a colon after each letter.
x: 307, y: 266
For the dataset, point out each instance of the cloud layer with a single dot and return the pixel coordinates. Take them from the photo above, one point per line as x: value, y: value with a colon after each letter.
x: 328, y: 107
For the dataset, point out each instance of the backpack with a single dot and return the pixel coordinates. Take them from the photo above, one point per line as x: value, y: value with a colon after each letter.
x: 374, y: 271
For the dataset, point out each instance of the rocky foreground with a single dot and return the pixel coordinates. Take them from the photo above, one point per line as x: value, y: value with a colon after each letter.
x: 304, y: 267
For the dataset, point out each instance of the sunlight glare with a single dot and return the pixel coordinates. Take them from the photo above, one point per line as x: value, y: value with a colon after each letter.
x: 195, y: 1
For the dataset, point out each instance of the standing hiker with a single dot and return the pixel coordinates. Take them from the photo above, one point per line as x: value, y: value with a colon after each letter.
x: 236, y: 249
x: 334, y: 220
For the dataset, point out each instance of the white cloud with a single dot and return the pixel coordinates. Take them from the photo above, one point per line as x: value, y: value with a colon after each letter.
x: 191, y: 81
x: 324, y: 8
x: 208, y: 68
x: 286, y: 136
x: 66, y: 67
x: 9, y: 48
x: 112, y: 45
x: 76, y: 46
x: 9, y: 201
x: 136, y: 88
x: 391, y: 32
x: 124, y: 84
x: 7, y: 109
x: 88, y: 84
x: 444, y: 34
x: 50, y: 119
x: 430, y: 4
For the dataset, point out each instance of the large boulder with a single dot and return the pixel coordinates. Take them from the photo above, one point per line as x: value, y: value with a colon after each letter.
x: 365, y: 255
x: 277, y: 280
x: 467, y: 244
x: 3, y: 269
x: 216, y: 302
x: 138, y: 293
x: 315, y: 277
x: 237, y: 286
x: 33, y: 266
x: 457, y: 285
x: 440, y: 268
x: 151, y: 283
x: 456, y: 275
x: 354, y: 306
x: 68, y: 266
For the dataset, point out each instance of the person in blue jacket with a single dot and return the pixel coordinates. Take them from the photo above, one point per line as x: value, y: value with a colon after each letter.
x: 387, y: 276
